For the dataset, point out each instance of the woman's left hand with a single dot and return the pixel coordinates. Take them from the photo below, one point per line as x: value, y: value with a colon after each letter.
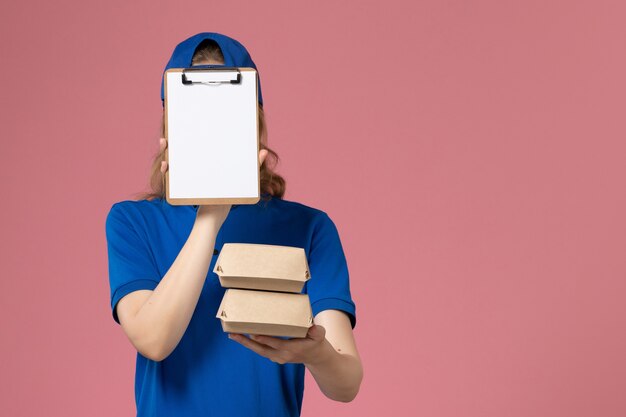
x: 305, y: 350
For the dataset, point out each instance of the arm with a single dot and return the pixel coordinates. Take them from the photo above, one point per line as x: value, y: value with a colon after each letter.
x: 328, y: 351
x: 155, y: 321
x: 337, y: 369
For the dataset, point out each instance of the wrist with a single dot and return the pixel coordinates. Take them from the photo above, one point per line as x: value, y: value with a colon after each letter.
x: 207, y: 226
x: 322, y: 356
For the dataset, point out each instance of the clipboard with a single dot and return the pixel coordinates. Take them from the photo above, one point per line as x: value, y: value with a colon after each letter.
x: 211, y: 126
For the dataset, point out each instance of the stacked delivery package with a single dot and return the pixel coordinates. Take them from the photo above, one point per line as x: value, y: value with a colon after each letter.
x: 264, y: 285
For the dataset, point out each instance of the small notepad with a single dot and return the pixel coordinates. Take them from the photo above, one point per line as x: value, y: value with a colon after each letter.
x: 211, y: 124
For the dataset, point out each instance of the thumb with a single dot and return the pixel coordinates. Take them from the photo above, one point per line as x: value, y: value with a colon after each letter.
x: 262, y: 155
x: 316, y: 332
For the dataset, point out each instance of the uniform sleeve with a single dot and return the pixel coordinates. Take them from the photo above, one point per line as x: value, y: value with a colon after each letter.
x: 329, y: 285
x: 131, y: 265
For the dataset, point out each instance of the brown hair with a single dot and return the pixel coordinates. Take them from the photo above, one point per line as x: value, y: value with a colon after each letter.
x: 271, y: 182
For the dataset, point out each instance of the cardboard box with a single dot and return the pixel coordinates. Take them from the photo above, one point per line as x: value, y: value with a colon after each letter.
x: 265, y: 313
x: 262, y: 267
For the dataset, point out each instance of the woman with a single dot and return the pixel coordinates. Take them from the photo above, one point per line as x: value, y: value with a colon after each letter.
x: 165, y: 295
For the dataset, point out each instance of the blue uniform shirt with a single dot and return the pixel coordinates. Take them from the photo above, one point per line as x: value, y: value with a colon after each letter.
x: 208, y: 374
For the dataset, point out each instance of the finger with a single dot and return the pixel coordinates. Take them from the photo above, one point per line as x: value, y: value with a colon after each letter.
x: 262, y: 155
x: 252, y: 345
x: 162, y: 144
x: 163, y: 166
x: 316, y: 332
x: 273, y: 342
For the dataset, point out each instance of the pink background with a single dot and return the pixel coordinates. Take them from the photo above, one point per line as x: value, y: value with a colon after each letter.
x: 471, y: 154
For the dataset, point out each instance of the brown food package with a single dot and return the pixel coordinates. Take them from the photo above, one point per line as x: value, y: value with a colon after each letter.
x: 262, y: 267
x: 265, y: 313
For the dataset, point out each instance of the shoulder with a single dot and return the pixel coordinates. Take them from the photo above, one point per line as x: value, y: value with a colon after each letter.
x: 302, y: 211
x: 133, y: 207
x: 298, y: 207
x: 317, y: 223
x: 134, y: 211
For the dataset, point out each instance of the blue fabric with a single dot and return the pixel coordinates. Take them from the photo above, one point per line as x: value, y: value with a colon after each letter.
x: 208, y: 374
x: 235, y: 55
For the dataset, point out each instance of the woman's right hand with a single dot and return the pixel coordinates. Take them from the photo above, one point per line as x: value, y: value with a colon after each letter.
x: 217, y: 213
